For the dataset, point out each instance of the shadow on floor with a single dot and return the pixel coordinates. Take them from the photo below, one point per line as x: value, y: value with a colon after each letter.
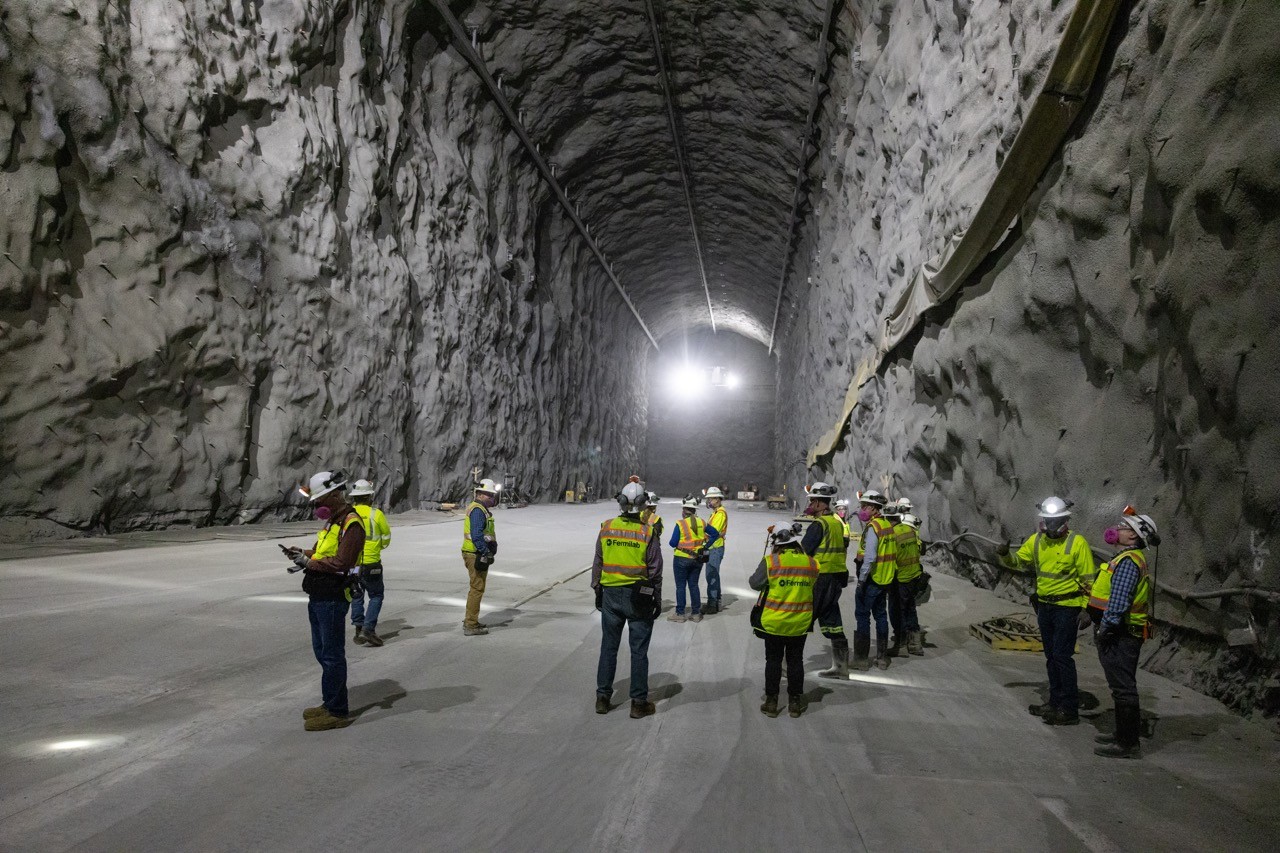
x: 694, y: 692
x: 1088, y: 701
x: 388, y: 695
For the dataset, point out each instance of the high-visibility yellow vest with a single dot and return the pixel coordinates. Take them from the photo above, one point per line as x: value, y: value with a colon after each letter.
x: 651, y: 518
x: 788, y: 600
x: 693, y: 533
x: 832, y: 554
x: 907, y: 551
x: 1139, y: 609
x: 886, y: 550
x: 848, y: 534
x: 327, y: 539
x: 1062, y: 566
x: 469, y: 547
x: 377, y: 533
x: 623, y: 542
x: 720, y: 521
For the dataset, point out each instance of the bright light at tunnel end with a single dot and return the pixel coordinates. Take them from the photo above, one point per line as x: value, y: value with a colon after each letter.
x: 687, y: 382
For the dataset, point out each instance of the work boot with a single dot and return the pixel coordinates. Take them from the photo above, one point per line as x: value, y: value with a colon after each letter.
x: 675, y: 617
x: 770, y: 706
x: 602, y: 704
x: 359, y: 637
x: 710, y: 607
x: 1059, y: 717
x: 477, y: 631
x: 324, y: 722
x: 695, y: 617
x: 861, y: 651
x: 1039, y: 710
x: 839, y: 662
x: 314, y: 712
x: 642, y: 709
x: 1105, y: 737
x: 895, y: 648
x: 1128, y: 730
x: 797, y: 706
x: 882, y: 653
x: 915, y: 645
x: 371, y: 637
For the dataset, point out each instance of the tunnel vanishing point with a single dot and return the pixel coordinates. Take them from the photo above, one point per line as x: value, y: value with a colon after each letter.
x: 973, y: 252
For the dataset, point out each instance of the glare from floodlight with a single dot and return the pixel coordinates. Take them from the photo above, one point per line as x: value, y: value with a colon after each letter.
x: 687, y: 382
x: 732, y: 381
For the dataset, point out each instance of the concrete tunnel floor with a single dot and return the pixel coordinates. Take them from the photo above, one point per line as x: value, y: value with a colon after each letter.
x: 153, y: 701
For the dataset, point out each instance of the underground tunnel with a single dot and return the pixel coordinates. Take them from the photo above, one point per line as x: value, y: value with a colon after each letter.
x: 973, y: 253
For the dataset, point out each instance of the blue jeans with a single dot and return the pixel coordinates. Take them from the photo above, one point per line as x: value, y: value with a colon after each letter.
x: 1058, y: 633
x: 871, y: 598
x: 715, y: 558
x: 616, y: 611
x: 328, y: 641
x: 373, y: 586
x: 686, y: 572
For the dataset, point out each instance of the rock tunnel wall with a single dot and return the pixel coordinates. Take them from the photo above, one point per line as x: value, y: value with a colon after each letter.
x: 1116, y: 348
x: 244, y: 241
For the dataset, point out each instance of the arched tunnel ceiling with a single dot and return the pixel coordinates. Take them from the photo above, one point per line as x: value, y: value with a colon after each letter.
x: 586, y: 76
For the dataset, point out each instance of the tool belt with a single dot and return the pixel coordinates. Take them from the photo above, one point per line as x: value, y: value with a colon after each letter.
x: 1054, y: 599
x: 371, y: 569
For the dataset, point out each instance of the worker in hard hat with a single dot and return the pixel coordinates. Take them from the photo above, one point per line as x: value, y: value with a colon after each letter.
x: 783, y: 617
x: 377, y: 535
x: 689, y: 539
x: 626, y: 575
x: 877, y: 568
x: 328, y: 576
x: 1120, y: 601
x: 825, y: 541
x: 650, y: 515
x: 841, y: 511
x: 479, y: 547
x: 902, y: 598
x: 1063, y: 567
x: 717, y: 530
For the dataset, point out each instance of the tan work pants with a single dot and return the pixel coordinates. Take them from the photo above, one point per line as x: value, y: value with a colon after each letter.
x: 478, y: 578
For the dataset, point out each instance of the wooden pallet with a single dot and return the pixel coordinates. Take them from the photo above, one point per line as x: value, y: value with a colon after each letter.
x: 1005, y: 637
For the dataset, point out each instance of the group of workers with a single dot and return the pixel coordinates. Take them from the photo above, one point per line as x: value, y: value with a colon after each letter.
x: 800, y: 580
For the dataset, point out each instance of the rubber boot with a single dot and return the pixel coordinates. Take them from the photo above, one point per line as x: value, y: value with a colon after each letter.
x: 770, y: 706
x: 1128, y: 730
x: 915, y: 646
x: 839, y: 661
x: 861, y: 650
x: 882, y: 653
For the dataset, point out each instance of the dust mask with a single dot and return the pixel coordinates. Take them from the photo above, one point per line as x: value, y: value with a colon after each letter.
x: 1111, y: 536
x: 864, y: 515
x: 323, y: 513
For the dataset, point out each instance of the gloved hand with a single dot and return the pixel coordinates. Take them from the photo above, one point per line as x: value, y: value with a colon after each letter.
x: 493, y: 545
x: 484, y: 561
x: 599, y: 598
x: 703, y: 556
x: 300, y: 562
x: 1083, y: 621
x: 1108, y: 635
x: 1003, y: 549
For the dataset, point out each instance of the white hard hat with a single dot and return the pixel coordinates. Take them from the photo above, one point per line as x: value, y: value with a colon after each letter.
x: 713, y: 492
x: 892, y: 509
x: 785, y: 531
x: 843, y: 502
x: 361, y: 487
x: 904, y: 504
x: 651, y: 499
x: 488, y: 485
x: 911, y: 520
x: 1143, y: 525
x: 632, y: 498
x: 871, y: 496
x: 1054, y: 507
x: 689, y: 503
x: 322, y: 484
x: 821, y: 491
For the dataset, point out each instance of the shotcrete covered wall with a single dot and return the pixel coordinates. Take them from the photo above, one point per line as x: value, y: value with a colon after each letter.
x: 1117, y: 348
x: 244, y: 241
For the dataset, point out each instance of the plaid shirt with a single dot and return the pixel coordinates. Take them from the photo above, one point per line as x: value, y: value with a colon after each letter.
x: 1124, y: 581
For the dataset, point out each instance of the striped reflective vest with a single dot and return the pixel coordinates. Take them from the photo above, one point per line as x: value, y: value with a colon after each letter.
x: 788, y: 600
x: 833, y: 552
x: 886, y: 551
x: 1139, y: 609
x: 906, y: 541
x: 469, y: 547
x: 720, y: 521
x: 623, y: 542
x: 693, y: 533
x: 327, y: 539
x: 1063, y: 567
x: 377, y: 533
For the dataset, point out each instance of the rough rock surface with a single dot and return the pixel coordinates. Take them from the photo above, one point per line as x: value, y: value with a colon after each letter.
x: 247, y: 240
x: 1118, y: 347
